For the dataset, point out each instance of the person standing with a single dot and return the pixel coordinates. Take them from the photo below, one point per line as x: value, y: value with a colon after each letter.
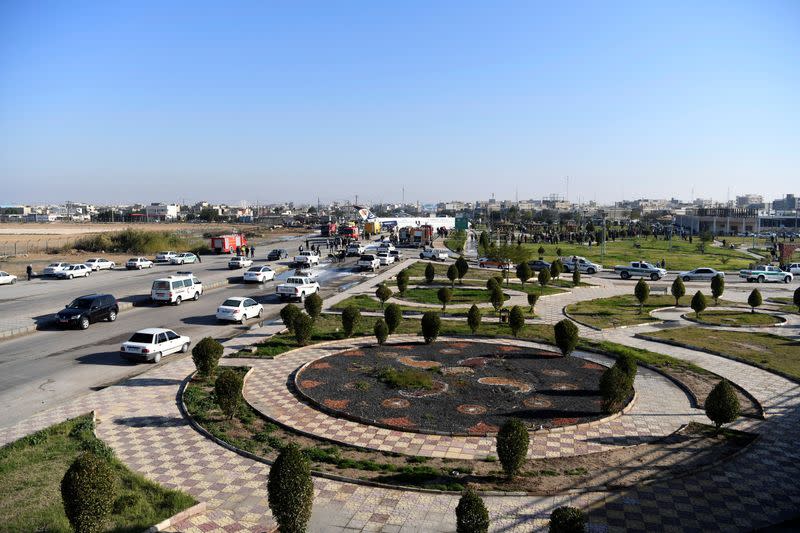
x: 29, y: 270
x: 252, y: 252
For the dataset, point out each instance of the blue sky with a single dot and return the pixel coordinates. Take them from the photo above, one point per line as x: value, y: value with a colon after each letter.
x: 264, y: 101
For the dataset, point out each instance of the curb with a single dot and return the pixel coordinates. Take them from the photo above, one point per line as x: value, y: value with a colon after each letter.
x: 180, y: 517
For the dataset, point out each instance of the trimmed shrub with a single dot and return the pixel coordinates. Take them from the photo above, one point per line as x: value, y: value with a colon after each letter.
x: 288, y: 313
x: 678, y: 290
x: 642, y: 293
x: 205, y: 355
x: 431, y: 323
x: 88, y: 490
x: 512, y: 446
x: 228, y: 391
x: 627, y: 363
x: 402, y: 281
x: 393, y: 316
x: 541, y: 252
x: 491, y: 283
x: 556, y: 268
x: 797, y: 298
x: 544, y: 277
x: 383, y: 293
x: 699, y: 303
x: 445, y: 295
x: 474, y: 319
x: 524, y: 272
x: 567, y: 520
x: 717, y: 287
x: 566, y: 334
x: 351, y: 318
x: 516, y: 319
x: 303, y: 328
x: 497, y: 298
x: 576, y: 277
x: 462, y: 266
x: 754, y: 300
x: 532, y: 299
x: 722, y: 404
x: 313, y: 305
x: 430, y: 273
x: 381, y: 331
x: 614, y: 388
x: 290, y: 490
x: 471, y: 514
x: 452, y: 274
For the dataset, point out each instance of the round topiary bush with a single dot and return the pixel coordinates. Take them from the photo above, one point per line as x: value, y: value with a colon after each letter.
x: 576, y: 277
x: 444, y: 295
x: 402, y: 281
x: 722, y: 404
x: 393, y: 316
x: 383, y: 293
x: 516, y: 320
x: 699, y: 303
x: 678, y: 290
x: 524, y: 272
x: 205, y: 355
x: 642, y: 293
x: 303, y: 328
x: 567, y: 520
x: 532, y: 299
x: 491, y: 283
x: 313, y: 305
x: 381, y: 331
x: 556, y: 268
x: 288, y: 313
x: 431, y: 323
x: 228, y: 392
x: 497, y: 298
x: 471, y: 514
x: 430, y: 273
x: 290, y: 490
x: 717, y: 287
x: 88, y: 490
x: 474, y: 319
x: 512, y: 446
x: 566, y: 335
x: 615, y: 388
x: 544, y: 277
x: 754, y: 300
x: 462, y: 266
x: 351, y: 318
x: 452, y: 274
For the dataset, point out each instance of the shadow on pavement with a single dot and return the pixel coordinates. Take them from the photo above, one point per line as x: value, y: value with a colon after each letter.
x: 151, y: 421
x: 104, y: 358
x: 150, y: 382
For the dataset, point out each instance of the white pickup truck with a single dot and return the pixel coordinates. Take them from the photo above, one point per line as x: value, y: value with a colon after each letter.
x: 307, y: 258
x: 640, y: 269
x: 762, y: 274
x: 434, y: 254
x: 297, y: 287
x: 369, y: 262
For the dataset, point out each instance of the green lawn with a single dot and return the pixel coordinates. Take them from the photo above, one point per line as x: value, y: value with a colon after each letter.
x: 31, y: 469
x: 459, y: 296
x: 620, y: 310
x: 734, y: 318
x: 456, y: 241
x: 786, y: 304
x: 771, y: 352
x: 684, y: 256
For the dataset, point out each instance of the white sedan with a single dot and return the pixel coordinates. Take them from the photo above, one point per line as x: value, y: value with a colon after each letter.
x: 260, y: 274
x: 165, y: 257
x: 7, y: 279
x: 239, y: 261
x: 700, y: 274
x: 54, y: 268
x: 239, y: 309
x: 183, y: 258
x: 152, y: 343
x: 386, y: 258
x: 138, y: 263
x: 98, y: 263
x: 75, y: 271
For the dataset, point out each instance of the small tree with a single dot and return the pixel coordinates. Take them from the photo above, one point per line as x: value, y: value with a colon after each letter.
x: 532, y: 299
x: 541, y: 252
x: 699, y: 303
x: 497, y: 298
x: 471, y: 514
x: 313, y: 305
x: 383, y: 293
x: 544, y: 278
x: 452, y: 274
x: 351, y: 318
x: 462, y: 266
x: 431, y: 323
x: 288, y: 313
x: 512, y: 446
x: 393, y: 315
x: 430, y: 273
x: 614, y: 388
x: 797, y: 298
x: 556, y: 268
x: 402, y: 281
x: 205, y: 355
x: 491, y: 283
x: 558, y: 252
x: 445, y: 295
x: 566, y: 335
x: 567, y: 520
x: 516, y: 319
x: 754, y: 300
x: 303, y: 328
x: 381, y: 331
x: 290, y: 490
x: 576, y: 277
x: 228, y: 392
x: 474, y: 318
x: 524, y: 272
x: 88, y: 490
x: 717, y: 287
x: 722, y: 404
x: 642, y: 293
x: 678, y: 290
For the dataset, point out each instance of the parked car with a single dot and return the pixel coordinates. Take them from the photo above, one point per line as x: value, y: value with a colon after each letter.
x: 7, y: 279
x: 582, y: 264
x: 175, y: 289
x: 87, y: 309
x: 355, y: 249
x: 434, y: 254
x: 700, y: 274
x: 74, y: 271
x: 794, y: 268
x: 98, y: 263
x: 386, y: 247
x: 385, y: 258
x: 485, y: 262
x: 152, y: 343
x: 767, y: 273
x: 239, y: 309
x: 138, y: 263
x: 397, y: 254
x: 277, y: 254
x: 260, y: 274
x: 369, y: 262
x: 165, y: 257
x: 239, y: 261
x: 539, y: 264
x: 297, y: 287
x: 306, y: 258
x: 640, y: 269
x: 182, y: 259
x: 54, y: 268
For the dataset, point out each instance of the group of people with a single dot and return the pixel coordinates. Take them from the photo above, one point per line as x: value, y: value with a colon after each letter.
x: 244, y: 250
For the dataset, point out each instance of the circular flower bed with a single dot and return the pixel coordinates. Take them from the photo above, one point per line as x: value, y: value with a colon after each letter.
x: 466, y: 388
x: 735, y: 318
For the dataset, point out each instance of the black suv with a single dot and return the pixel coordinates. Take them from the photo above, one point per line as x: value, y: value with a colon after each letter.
x: 87, y: 309
x: 276, y: 254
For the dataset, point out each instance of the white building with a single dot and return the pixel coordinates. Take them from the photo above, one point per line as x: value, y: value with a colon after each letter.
x: 162, y: 212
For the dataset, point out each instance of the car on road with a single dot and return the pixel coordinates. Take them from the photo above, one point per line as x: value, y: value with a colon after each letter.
x: 307, y: 258
x: 277, y: 254
x: 794, y: 268
x: 539, y: 264
x: 239, y: 309
x: 355, y: 249
x: 700, y: 274
x: 385, y: 258
x: 7, y: 279
x: 397, y: 254
x: 138, y: 263
x: 260, y: 274
x: 152, y: 343
x: 54, y: 268
x: 297, y: 287
x: 74, y: 271
x: 386, y: 246
x: 239, y: 261
x: 165, y: 257
x: 369, y: 262
x: 84, y: 310
x: 486, y: 262
x: 640, y: 269
x: 582, y: 264
x: 434, y: 254
x: 98, y: 263
x: 184, y: 258
x: 768, y: 273
x: 175, y: 289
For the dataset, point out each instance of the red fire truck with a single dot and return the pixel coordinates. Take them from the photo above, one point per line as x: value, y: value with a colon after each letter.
x: 328, y: 230
x: 349, y: 231
x: 225, y: 244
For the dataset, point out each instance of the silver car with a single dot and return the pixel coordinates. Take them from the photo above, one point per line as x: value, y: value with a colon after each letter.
x: 700, y: 274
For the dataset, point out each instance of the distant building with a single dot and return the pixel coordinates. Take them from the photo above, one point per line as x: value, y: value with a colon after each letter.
x: 162, y: 212
x: 755, y: 201
x: 789, y: 203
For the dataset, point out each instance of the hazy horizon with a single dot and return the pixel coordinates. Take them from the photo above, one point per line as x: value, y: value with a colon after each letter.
x: 141, y: 102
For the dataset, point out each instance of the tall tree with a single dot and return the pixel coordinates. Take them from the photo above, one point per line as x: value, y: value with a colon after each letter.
x: 524, y: 272
x: 717, y: 287
x: 678, y: 290
x: 642, y: 293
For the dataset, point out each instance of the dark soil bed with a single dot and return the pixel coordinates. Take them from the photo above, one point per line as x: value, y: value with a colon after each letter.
x: 472, y: 387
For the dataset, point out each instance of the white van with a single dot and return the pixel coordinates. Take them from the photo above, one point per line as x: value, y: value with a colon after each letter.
x: 175, y: 289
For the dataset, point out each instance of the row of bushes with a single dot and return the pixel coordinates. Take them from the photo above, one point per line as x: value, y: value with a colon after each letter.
x: 133, y: 241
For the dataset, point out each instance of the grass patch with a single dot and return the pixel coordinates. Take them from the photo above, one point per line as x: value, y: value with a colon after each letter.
x: 134, y: 241
x: 459, y: 296
x: 771, y: 352
x: 32, y: 468
x: 456, y: 241
x: 644, y: 356
x: 786, y: 304
x: 407, y: 379
x: 622, y: 310
x: 734, y: 318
